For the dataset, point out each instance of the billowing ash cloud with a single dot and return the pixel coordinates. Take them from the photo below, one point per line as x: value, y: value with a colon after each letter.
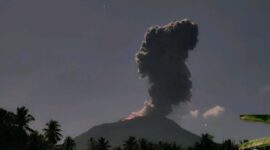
x: 147, y: 107
x: 161, y: 59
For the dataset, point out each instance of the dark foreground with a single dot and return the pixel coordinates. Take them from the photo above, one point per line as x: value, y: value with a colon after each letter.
x: 16, y: 134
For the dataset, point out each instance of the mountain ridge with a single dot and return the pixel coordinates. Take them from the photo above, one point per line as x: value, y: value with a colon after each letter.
x: 151, y: 128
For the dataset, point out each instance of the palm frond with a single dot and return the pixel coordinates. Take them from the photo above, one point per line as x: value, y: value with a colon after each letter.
x: 259, y: 143
x: 264, y: 118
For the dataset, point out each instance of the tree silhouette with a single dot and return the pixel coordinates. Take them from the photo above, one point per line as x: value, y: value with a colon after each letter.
x: 102, y: 144
x: 7, y: 118
x: 52, y: 132
x: 206, y: 143
x: 131, y: 144
x: 15, y: 135
x: 69, y: 143
x: 143, y: 144
x: 228, y: 145
x: 174, y: 146
x: 36, y: 142
x: 8, y: 136
x: 21, y: 121
x: 92, y: 144
x: 23, y: 118
x: 117, y: 148
x: 163, y: 146
x: 13, y: 128
x: 151, y: 146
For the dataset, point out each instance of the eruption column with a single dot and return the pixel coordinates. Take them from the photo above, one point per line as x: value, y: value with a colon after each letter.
x: 161, y: 59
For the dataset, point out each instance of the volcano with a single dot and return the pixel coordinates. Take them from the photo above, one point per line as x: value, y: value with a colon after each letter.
x: 152, y: 128
x: 161, y: 60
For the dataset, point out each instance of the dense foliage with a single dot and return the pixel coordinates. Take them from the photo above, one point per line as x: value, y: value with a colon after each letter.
x: 16, y: 134
x: 206, y: 143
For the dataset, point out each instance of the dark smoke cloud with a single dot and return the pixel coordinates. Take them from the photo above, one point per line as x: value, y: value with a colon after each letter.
x: 161, y: 59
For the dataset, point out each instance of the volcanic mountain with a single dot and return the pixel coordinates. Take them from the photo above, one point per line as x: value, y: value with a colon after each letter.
x: 161, y: 59
x: 152, y: 128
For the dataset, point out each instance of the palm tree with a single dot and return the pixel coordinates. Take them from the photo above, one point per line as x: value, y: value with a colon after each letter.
x: 8, y: 131
x: 143, y: 144
x: 36, y: 142
x: 52, y: 132
x: 69, y: 143
x: 264, y: 118
x: 7, y: 118
x: 206, y: 143
x: 228, y: 145
x: 92, y: 144
x: 131, y: 144
x: 103, y: 144
x: 23, y: 118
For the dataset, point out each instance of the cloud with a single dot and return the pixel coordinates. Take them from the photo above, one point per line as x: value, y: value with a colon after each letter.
x: 214, y: 111
x: 194, y: 113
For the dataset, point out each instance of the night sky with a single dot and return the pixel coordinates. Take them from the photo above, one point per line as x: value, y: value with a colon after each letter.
x: 73, y: 61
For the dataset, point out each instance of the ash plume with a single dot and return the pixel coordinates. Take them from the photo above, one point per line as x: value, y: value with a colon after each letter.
x: 161, y: 59
x: 147, y: 107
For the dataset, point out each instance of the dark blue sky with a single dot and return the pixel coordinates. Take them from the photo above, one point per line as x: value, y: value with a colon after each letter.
x: 73, y: 61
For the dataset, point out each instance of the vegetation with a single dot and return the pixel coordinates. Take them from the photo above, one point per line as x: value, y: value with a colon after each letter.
x: 16, y: 134
x: 22, y: 119
x: 52, y: 132
x: 206, y: 143
x: 262, y: 142
x: 69, y: 144
x: 264, y: 118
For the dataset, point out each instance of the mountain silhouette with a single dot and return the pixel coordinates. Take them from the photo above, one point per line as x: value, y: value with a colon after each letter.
x: 152, y: 128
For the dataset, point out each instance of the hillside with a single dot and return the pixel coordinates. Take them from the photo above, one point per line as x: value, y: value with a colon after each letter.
x: 152, y: 128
